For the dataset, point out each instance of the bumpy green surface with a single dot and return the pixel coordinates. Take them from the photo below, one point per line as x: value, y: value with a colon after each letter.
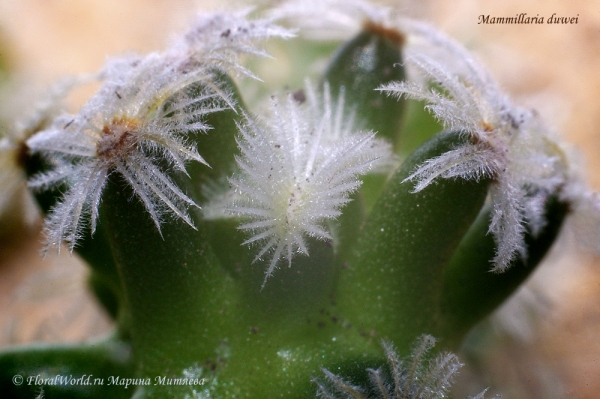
x: 359, y: 67
x: 395, y: 277
x: 371, y: 59
x: 191, y: 308
x: 470, y: 290
x: 188, y: 302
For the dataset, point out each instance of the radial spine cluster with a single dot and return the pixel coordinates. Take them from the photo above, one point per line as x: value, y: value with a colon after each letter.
x: 297, y: 170
x: 140, y: 124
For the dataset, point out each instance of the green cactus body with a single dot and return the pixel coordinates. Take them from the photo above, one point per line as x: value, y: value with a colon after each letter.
x: 369, y: 60
x: 195, y: 315
x: 191, y: 311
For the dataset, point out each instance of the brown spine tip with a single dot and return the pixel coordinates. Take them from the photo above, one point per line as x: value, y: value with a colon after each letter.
x: 487, y: 127
x: 389, y: 33
x: 117, y: 138
x: 22, y: 155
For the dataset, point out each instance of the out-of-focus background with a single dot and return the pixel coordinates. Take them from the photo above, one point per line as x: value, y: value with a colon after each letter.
x: 552, y: 68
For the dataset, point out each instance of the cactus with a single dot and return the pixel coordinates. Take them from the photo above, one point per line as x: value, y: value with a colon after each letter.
x: 241, y: 251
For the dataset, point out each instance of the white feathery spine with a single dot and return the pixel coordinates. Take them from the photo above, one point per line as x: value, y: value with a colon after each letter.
x: 145, y: 112
x: 297, y: 170
x: 505, y: 143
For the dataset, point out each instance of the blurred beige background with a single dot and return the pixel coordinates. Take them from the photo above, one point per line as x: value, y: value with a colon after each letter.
x: 552, y: 68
